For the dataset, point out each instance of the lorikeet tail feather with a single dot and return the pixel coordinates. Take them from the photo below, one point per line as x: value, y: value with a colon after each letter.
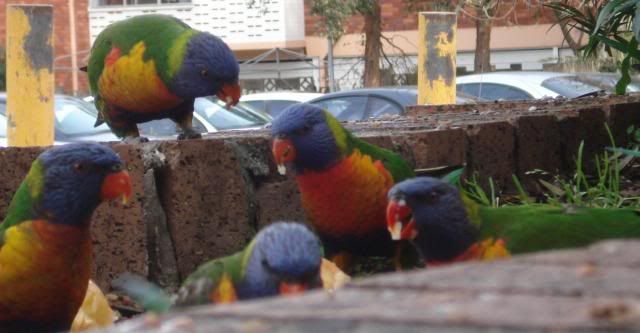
x: 148, y: 295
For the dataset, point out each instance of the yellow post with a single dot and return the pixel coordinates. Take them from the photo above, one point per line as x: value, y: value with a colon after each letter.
x: 437, y: 58
x: 30, y: 75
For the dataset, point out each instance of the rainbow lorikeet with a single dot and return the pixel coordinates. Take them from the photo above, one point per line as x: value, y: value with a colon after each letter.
x: 343, y: 181
x: 447, y: 227
x: 154, y: 66
x: 45, y: 241
x: 282, y: 258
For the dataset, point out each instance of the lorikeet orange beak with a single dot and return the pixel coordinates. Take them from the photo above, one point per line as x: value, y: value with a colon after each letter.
x: 230, y: 94
x: 283, y: 152
x: 400, y: 220
x: 289, y: 288
x: 116, y: 185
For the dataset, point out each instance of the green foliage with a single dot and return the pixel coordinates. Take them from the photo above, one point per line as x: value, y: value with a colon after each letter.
x: 601, y: 189
x: 612, y: 26
x: 334, y: 13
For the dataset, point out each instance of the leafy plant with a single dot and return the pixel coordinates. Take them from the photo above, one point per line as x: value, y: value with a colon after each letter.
x: 599, y: 190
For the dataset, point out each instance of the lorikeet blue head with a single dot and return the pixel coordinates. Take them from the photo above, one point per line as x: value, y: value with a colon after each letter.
x: 307, y: 136
x: 209, y: 67
x: 71, y: 181
x: 431, y: 213
x: 285, y: 258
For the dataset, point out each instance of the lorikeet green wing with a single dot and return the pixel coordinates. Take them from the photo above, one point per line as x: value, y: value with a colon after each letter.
x: 45, y: 241
x: 283, y: 258
x: 154, y: 66
x: 446, y: 226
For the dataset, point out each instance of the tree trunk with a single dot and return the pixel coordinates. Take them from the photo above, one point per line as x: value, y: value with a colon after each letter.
x: 373, y: 46
x: 566, y: 32
x: 482, y: 61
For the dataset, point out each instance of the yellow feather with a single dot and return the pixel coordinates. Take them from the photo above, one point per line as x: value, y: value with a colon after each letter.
x: 133, y: 84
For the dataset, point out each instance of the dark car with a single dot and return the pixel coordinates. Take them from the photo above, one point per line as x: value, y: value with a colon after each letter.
x: 360, y: 104
x: 73, y: 121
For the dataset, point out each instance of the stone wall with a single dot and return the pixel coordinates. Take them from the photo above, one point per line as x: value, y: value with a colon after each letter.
x: 200, y: 199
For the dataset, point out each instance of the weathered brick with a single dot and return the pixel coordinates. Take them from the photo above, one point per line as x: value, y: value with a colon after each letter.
x: 621, y: 117
x: 434, y: 148
x: 207, y: 201
x: 119, y: 233
x: 491, y: 151
x: 537, y: 146
x: 586, y: 125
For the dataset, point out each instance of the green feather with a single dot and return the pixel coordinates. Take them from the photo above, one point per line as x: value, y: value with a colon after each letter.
x: 346, y: 142
x: 537, y: 227
x: 233, y: 265
x: 164, y: 37
x: 21, y: 206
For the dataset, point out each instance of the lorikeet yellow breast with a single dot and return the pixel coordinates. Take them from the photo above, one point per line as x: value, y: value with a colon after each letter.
x: 154, y: 66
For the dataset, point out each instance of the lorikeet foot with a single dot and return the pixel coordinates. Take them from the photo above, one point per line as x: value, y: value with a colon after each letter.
x: 189, y: 135
x: 343, y: 261
x: 134, y: 139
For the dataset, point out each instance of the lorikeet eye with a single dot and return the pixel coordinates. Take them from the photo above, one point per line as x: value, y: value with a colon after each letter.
x: 204, y: 73
x: 116, y: 167
x: 80, y: 167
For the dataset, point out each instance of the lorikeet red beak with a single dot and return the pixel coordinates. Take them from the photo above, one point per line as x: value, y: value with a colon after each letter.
x: 289, y: 288
x: 400, y: 220
x: 283, y: 152
x: 115, y: 185
x: 230, y: 94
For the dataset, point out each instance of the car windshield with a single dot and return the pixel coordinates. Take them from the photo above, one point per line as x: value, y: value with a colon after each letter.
x: 239, y: 116
x: 570, y: 86
x: 76, y: 117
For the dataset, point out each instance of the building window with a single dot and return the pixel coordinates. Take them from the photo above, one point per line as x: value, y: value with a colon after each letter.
x: 102, y: 3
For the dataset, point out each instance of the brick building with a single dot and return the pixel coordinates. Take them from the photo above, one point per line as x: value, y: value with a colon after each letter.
x: 62, y: 39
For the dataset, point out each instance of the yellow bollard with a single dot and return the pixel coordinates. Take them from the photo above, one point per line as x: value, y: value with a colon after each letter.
x: 30, y: 75
x: 437, y: 57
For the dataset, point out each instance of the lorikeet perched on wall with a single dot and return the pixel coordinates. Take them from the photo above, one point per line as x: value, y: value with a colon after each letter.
x: 343, y: 181
x: 154, y: 66
x: 447, y: 227
x: 45, y: 241
x: 282, y: 258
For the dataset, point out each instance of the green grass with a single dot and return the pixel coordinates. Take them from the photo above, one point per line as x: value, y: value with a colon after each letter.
x: 602, y: 189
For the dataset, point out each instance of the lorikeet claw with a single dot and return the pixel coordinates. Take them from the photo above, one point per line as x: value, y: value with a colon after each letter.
x: 191, y: 135
x: 134, y: 140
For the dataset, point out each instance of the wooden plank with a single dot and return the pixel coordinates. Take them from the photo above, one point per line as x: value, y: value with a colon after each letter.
x: 30, y: 83
x: 437, y: 57
x: 507, y: 296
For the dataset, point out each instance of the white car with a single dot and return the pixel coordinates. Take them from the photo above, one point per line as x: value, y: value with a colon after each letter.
x: 520, y: 85
x: 274, y: 102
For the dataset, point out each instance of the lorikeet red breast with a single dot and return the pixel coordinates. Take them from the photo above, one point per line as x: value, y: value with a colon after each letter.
x: 343, y: 180
x: 45, y: 241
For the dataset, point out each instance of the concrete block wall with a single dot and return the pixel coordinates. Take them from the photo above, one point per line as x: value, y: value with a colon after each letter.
x: 200, y: 199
